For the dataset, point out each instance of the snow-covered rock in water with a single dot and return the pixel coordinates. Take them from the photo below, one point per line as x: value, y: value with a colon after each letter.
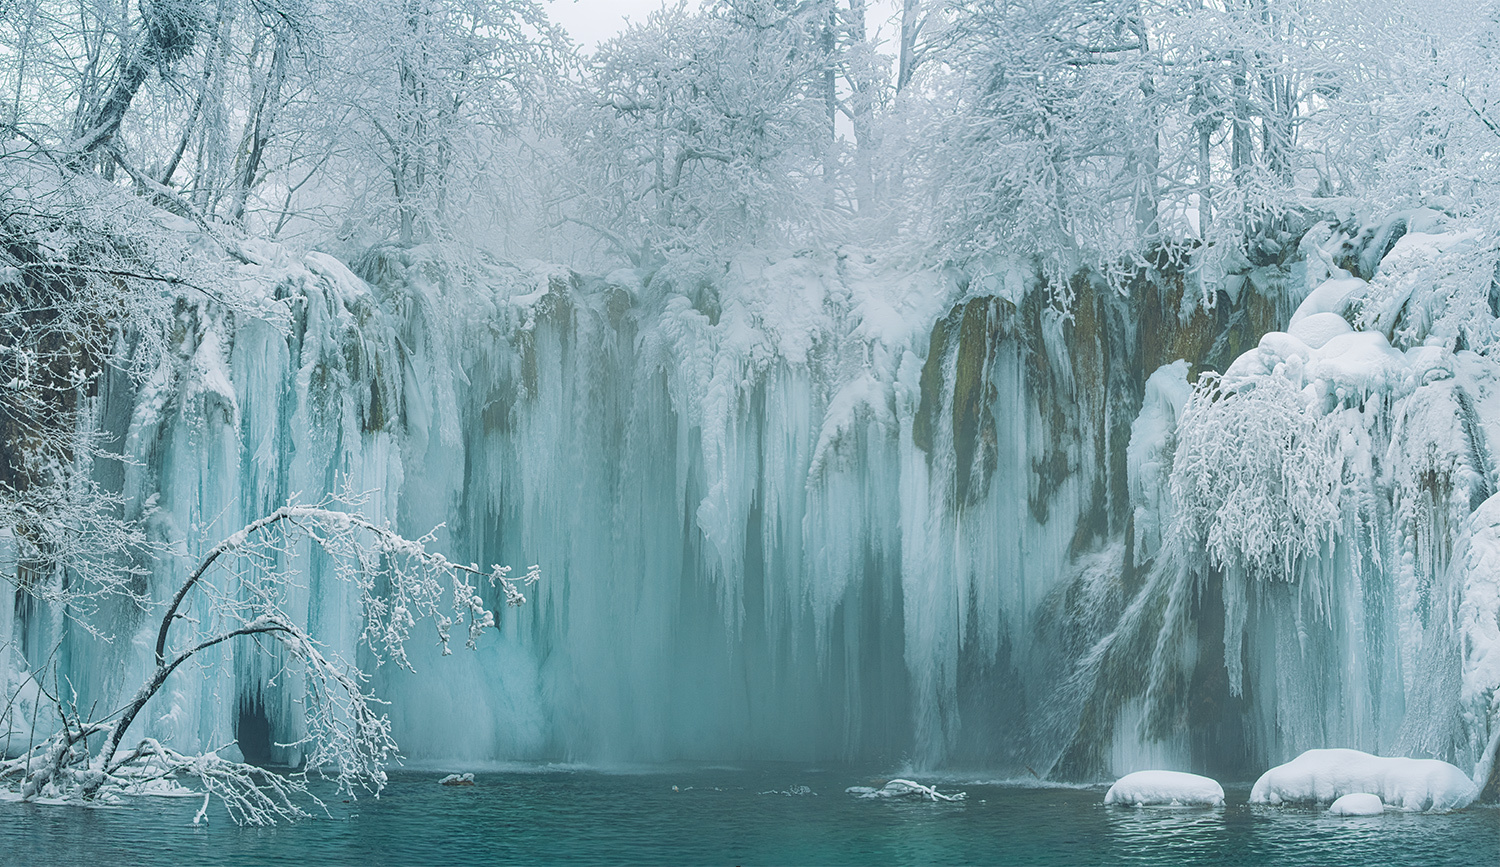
x: 457, y: 780
x: 1357, y: 804
x: 1322, y: 776
x: 1165, y: 789
x: 904, y: 789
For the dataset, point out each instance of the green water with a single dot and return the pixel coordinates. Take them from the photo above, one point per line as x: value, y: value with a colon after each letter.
x: 721, y: 816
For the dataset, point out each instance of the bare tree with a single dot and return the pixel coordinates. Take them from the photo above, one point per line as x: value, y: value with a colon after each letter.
x: 400, y: 584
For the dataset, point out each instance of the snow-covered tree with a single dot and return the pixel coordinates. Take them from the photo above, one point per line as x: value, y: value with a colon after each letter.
x: 699, y: 133
x: 1051, y: 149
x: 399, y: 582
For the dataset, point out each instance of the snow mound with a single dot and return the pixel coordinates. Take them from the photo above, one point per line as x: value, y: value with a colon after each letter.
x: 1321, y: 776
x: 1165, y: 789
x: 457, y: 780
x: 1318, y: 328
x: 1357, y: 804
x: 1331, y: 296
x: 904, y: 789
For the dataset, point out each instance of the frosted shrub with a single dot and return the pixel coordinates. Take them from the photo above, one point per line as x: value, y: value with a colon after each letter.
x: 1256, y: 476
x: 1435, y: 288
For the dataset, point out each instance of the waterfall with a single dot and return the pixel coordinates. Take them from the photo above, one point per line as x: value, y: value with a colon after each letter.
x: 836, y: 506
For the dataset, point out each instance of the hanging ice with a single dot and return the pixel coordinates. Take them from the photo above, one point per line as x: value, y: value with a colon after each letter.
x: 841, y: 506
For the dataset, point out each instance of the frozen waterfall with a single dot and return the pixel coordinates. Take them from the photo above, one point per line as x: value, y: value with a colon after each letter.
x: 834, y: 506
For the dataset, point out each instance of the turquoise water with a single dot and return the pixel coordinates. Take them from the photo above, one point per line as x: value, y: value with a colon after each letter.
x: 721, y: 816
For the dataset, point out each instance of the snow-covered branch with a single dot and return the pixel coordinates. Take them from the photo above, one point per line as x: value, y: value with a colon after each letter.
x: 400, y: 583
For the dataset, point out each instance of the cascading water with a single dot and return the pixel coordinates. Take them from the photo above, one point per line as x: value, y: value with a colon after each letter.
x: 828, y: 507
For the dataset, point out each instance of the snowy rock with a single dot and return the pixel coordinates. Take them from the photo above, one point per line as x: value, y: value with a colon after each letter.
x: 1281, y: 346
x: 1330, y: 297
x: 904, y: 789
x: 1357, y: 804
x: 1361, y: 361
x: 1322, y: 776
x: 457, y: 780
x: 1319, y: 328
x: 1165, y: 789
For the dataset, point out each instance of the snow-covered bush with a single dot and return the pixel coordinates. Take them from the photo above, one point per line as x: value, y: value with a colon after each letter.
x: 85, y: 271
x: 1255, y: 475
x: 1435, y: 288
x: 903, y: 789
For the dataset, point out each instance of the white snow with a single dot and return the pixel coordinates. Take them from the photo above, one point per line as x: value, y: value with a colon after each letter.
x: 1357, y: 804
x: 1330, y: 297
x: 1165, y: 789
x: 1322, y: 776
x: 904, y: 789
x: 1319, y: 328
x: 1360, y: 362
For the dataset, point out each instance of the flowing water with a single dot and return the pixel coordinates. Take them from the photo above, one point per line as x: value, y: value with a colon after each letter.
x: 739, y: 815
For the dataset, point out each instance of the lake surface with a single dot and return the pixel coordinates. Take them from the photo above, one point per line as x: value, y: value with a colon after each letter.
x: 736, y: 816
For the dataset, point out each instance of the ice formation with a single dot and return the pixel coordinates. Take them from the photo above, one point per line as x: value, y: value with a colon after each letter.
x: 1165, y: 789
x: 1328, y: 775
x: 838, y: 505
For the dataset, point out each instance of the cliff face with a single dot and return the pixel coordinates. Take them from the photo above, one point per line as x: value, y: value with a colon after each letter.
x: 832, y: 506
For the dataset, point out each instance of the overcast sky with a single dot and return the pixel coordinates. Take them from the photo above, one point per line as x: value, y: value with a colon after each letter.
x: 593, y: 21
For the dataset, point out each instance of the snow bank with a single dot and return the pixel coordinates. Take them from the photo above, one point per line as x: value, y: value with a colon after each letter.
x: 1321, y: 776
x: 1165, y: 788
x: 1357, y: 804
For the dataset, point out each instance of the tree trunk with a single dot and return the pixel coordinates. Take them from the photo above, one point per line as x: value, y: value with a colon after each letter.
x: 1205, y: 181
x: 828, y: 39
x: 164, y: 35
x: 911, y: 28
x: 1241, y: 149
x: 861, y: 108
x: 258, y: 129
x: 1145, y: 156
